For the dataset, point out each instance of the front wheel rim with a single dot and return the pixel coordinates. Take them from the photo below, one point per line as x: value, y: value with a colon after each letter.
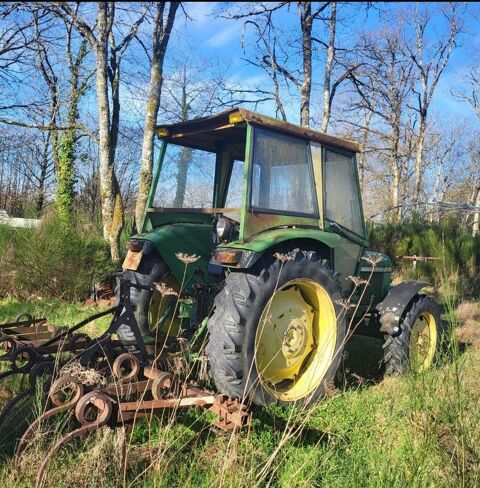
x: 423, y: 342
x: 295, y: 340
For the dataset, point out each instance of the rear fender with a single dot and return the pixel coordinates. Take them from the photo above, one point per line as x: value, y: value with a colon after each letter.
x: 395, y: 303
x: 249, y: 252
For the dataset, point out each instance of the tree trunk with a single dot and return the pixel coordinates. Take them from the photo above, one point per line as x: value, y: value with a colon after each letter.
x: 419, y: 156
x: 161, y: 35
x: 306, y: 21
x: 181, y: 177
x: 363, y: 156
x: 434, y: 214
x: 476, y: 215
x: 67, y: 148
x: 111, y: 200
x: 396, y: 174
x: 42, y: 178
x: 328, y: 68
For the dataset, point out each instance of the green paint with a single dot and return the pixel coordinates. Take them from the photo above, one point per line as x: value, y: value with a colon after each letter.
x: 202, y: 328
x: 153, y: 186
x: 246, y: 173
x: 187, y: 238
x: 156, y: 219
x: 360, y: 197
x: 270, y: 238
x: 379, y: 274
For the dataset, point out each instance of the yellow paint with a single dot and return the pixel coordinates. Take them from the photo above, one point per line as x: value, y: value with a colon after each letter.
x: 162, y: 132
x: 235, y: 118
x: 423, y: 342
x: 295, y: 340
x: 158, y: 306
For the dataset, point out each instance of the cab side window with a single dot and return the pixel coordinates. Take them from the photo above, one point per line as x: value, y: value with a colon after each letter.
x: 342, y: 199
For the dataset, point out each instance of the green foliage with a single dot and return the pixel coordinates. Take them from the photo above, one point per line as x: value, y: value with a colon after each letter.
x: 56, y: 311
x: 450, y: 241
x: 65, y: 151
x: 54, y: 261
x: 66, y: 176
x: 128, y: 230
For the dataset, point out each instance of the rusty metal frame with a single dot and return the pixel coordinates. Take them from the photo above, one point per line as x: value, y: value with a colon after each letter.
x: 113, y: 406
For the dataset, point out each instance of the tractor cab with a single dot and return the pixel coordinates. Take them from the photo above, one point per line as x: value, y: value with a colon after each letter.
x: 230, y: 186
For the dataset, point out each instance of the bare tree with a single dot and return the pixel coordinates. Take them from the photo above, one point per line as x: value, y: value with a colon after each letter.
x: 15, y: 36
x: 63, y: 144
x: 273, y: 58
x: 162, y: 28
x: 470, y: 92
x: 327, y: 102
x: 442, y: 147
x: 430, y: 65
x: 384, y: 86
x: 194, y: 89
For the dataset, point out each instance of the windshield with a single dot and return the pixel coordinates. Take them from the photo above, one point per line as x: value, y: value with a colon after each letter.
x: 186, y: 178
x: 282, y: 177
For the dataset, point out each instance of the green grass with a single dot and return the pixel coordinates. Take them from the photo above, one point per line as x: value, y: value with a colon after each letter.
x: 58, y: 313
x: 411, y: 431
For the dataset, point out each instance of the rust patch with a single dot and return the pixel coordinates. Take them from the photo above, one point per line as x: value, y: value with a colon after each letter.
x: 185, y: 131
x: 226, y: 257
x: 257, y: 222
x: 132, y: 261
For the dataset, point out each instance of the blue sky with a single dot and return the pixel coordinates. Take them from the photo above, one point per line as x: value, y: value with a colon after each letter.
x: 221, y: 39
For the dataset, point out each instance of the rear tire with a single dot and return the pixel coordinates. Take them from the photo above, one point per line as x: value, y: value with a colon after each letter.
x: 151, y: 269
x: 233, y: 348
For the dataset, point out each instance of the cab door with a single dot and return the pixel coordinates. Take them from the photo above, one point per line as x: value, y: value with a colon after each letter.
x: 342, y: 209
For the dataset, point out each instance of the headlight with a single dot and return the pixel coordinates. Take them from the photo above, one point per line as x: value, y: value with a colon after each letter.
x: 223, y: 228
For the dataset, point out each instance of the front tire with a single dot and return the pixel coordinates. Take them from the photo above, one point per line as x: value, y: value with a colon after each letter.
x: 415, y: 346
x: 278, y: 335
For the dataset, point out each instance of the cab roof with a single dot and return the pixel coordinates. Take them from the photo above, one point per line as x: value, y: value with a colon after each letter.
x: 208, y: 133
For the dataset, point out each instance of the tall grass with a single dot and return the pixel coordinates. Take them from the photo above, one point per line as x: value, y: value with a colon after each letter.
x: 52, y: 261
x: 413, y: 431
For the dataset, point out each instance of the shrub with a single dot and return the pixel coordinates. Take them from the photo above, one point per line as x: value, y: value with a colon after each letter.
x: 54, y: 260
x: 452, y: 243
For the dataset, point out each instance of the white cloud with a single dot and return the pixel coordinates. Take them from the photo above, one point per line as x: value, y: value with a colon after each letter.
x: 225, y: 35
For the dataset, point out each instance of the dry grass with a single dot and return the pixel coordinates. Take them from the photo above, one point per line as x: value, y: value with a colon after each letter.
x: 468, y: 332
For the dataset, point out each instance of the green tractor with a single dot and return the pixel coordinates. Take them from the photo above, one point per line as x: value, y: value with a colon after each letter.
x: 255, y: 237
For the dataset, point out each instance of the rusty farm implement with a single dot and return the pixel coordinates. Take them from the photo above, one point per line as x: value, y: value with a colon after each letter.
x: 136, y: 387
x: 31, y: 350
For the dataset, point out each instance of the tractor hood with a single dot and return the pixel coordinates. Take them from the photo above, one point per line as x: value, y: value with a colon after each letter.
x: 176, y: 243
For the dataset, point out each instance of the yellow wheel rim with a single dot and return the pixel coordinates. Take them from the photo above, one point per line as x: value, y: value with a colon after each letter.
x: 159, y: 305
x: 423, y: 342
x: 295, y: 340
